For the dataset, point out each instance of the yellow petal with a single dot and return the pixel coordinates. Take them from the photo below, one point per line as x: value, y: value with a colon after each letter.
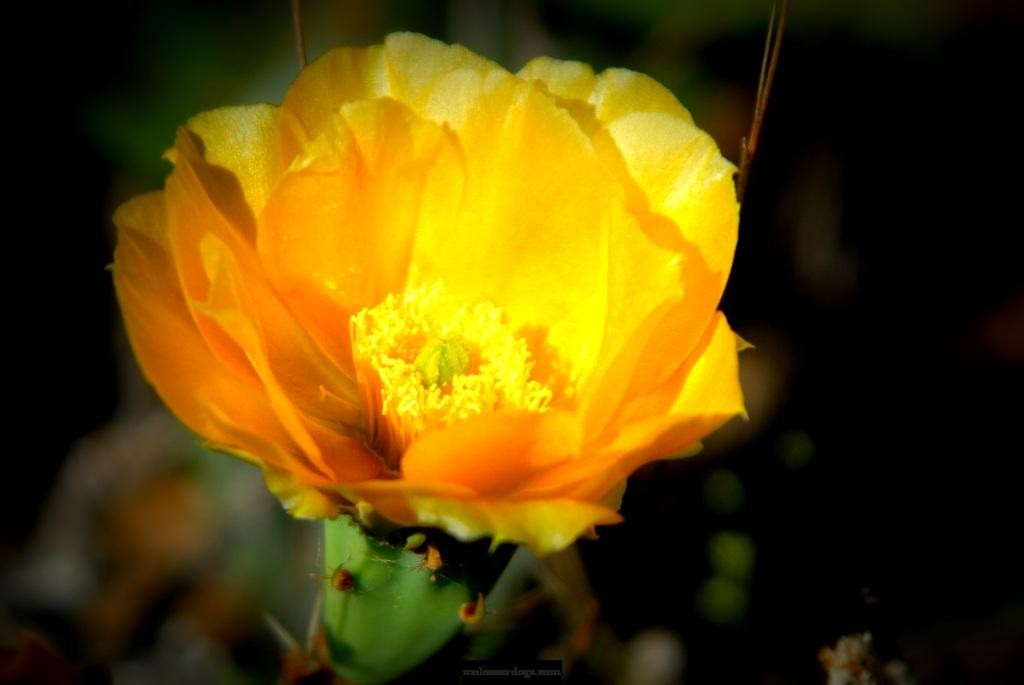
x: 339, y: 76
x: 671, y: 335
x: 337, y: 233
x: 566, y: 79
x: 545, y: 526
x: 409, y: 68
x: 612, y: 94
x: 685, y: 178
x: 619, y: 92
x: 519, y: 148
x: 427, y: 75
x: 531, y: 233
x: 243, y: 141
x: 696, y: 400
x: 492, y: 453
x: 301, y: 501
x: 644, y: 284
x: 679, y: 190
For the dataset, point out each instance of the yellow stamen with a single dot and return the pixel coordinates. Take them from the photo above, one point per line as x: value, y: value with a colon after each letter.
x: 424, y: 362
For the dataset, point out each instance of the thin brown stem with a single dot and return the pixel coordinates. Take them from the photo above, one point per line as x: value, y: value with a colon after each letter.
x: 769, y: 64
x: 300, y: 41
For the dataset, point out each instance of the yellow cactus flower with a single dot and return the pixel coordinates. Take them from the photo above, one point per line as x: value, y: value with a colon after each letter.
x: 475, y: 300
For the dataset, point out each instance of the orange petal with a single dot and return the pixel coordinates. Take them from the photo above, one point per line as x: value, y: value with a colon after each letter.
x: 244, y: 322
x: 307, y: 375
x: 337, y: 233
x: 327, y: 430
x: 226, y: 408
x: 192, y: 213
x: 492, y: 453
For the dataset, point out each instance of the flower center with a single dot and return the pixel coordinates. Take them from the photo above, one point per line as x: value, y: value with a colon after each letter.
x: 441, y: 359
x: 424, y: 362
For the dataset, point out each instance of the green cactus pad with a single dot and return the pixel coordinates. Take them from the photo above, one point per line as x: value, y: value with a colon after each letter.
x: 397, y: 612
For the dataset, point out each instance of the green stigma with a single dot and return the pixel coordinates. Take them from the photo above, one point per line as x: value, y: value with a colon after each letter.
x: 441, y: 360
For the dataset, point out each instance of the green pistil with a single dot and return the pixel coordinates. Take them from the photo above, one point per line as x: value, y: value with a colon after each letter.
x: 441, y: 360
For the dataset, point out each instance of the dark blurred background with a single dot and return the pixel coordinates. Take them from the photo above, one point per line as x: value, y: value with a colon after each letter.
x: 878, y: 274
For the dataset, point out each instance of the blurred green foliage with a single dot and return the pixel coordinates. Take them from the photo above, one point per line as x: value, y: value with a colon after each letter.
x: 723, y: 491
x: 732, y: 554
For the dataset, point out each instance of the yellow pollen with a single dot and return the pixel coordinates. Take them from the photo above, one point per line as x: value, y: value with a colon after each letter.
x: 424, y: 362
